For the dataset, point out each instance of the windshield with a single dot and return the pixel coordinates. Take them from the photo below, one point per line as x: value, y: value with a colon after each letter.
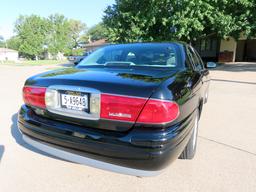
x: 155, y: 55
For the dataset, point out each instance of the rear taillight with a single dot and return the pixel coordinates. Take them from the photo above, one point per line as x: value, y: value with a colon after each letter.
x: 142, y: 110
x: 121, y: 107
x: 158, y: 112
x: 34, y: 96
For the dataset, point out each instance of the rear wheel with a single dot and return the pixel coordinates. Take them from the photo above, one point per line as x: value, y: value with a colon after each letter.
x: 190, y: 150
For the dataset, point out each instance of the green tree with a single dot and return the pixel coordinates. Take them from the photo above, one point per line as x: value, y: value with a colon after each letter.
x: 64, y: 34
x: 151, y: 20
x: 76, y: 27
x: 58, y: 36
x: 31, y: 31
x: 55, y: 34
x: 233, y: 17
x: 13, y: 43
x: 97, y: 32
x: 94, y: 33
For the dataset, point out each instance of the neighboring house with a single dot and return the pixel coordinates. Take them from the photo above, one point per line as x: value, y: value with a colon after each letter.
x: 212, y: 48
x: 8, y: 54
x: 95, y: 44
x: 208, y: 47
x: 48, y: 56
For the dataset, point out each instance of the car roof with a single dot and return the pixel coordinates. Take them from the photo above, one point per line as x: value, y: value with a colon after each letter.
x: 179, y: 43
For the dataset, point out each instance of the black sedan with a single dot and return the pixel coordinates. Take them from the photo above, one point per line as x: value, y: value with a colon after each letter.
x: 129, y: 108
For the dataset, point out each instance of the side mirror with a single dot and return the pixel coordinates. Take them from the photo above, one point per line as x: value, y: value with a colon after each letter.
x: 211, y: 65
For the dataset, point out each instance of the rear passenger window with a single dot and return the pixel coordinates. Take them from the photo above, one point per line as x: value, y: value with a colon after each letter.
x: 195, y: 59
x: 200, y: 64
x: 190, y: 58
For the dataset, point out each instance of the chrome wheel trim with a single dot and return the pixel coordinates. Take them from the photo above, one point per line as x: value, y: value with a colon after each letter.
x: 206, y: 96
x: 195, y: 132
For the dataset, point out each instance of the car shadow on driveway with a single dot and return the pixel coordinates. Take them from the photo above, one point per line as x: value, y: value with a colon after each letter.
x: 67, y: 65
x: 232, y: 81
x: 18, y: 138
x: 1, y: 151
x: 237, y: 67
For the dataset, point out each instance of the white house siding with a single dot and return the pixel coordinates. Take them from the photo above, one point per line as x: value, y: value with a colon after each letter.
x: 227, y: 50
x: 8, y: 55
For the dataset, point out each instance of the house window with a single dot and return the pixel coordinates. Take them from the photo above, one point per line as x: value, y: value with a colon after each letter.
x: 206, y: 45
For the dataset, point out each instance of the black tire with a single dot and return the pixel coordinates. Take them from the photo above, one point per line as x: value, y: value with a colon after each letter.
x: 190, y: 150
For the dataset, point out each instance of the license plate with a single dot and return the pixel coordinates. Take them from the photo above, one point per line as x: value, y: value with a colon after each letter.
x: 77, y: 101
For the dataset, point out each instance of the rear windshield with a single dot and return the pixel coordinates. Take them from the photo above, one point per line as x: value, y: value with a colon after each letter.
x: 155, y: 55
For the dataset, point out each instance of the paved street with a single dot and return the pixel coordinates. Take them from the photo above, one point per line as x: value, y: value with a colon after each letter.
x: 225, y: 159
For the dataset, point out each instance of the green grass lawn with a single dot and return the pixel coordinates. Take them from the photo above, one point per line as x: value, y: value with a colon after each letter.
x: 34, y: 62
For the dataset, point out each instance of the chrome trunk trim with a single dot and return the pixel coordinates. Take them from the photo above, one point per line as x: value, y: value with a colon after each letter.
x: 52, y: 100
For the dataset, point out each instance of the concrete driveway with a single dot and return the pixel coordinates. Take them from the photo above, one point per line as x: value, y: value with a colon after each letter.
x: 225, y: 159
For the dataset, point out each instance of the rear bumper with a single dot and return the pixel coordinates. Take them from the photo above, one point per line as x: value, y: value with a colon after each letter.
x: 138, y: 152
x: 72, y: 156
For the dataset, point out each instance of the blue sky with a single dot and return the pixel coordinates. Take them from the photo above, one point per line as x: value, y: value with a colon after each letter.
x: 89, y: 12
